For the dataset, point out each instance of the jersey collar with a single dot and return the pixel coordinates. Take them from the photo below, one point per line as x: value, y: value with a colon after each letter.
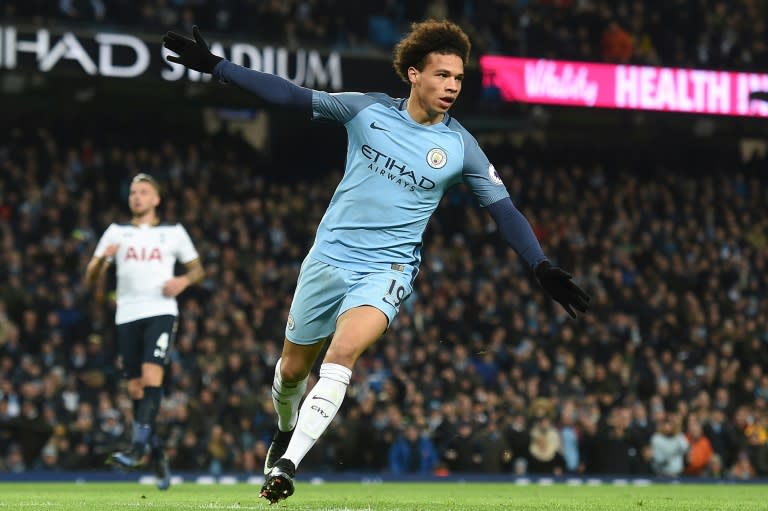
x: 154, y: 223
x: 404, y: 105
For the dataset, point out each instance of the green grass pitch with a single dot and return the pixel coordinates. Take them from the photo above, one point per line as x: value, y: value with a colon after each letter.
x: 385, y: 497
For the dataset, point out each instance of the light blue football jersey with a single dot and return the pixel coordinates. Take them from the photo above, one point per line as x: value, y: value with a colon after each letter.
x: 397, y: 170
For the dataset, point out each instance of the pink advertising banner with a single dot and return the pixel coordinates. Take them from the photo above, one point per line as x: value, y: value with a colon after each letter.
x: 559, y: 82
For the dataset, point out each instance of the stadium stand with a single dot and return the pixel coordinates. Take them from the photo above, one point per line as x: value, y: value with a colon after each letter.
x: 708, y: 33
x: 485, y: 368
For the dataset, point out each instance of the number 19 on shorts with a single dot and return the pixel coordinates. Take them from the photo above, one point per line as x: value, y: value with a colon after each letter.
x: 395, y: 294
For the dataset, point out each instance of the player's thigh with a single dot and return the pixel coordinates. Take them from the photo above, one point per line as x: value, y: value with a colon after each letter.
x: 159, y: 334
x: 316, y: 301
x: 130, y: 348
x: 371, y: 304
x: 356, y: 330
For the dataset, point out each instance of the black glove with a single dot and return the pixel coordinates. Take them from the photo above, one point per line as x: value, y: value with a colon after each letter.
x: 193, y: 54
x: 559, y: 286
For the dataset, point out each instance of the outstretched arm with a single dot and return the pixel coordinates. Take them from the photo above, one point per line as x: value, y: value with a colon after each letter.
x: 517, y: 232
x: 274, y: 90
x: 270, y: 88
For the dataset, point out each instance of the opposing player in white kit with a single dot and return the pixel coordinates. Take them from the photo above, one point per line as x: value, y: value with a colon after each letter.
x: 145, y: 253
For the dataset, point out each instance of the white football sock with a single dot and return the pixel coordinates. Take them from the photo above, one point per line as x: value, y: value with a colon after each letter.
x: 318, y: 410
x: 286, y: 398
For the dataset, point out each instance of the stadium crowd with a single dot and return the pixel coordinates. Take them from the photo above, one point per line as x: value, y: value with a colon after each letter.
x: 707, y: 33
x: 480, y: 372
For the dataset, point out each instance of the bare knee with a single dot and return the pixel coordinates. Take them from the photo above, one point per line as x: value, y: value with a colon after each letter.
x: 151, y: 375
x: 135, y: 388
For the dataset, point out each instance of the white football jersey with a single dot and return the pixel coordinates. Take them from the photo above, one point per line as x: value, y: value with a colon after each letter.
x: 145, y: 261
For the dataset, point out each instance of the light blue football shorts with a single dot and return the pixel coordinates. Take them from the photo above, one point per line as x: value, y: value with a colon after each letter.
x: 324, y: 292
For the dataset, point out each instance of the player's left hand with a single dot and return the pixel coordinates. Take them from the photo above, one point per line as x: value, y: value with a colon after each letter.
x: 175, y: 286
x: 559, y: 286
x: 193, y: 54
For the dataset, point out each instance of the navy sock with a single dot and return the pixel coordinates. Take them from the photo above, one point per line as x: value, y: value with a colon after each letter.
x: 149, y: 406
x: 141, y: 434
x: 156, y: 443
x: 136, y: 403
x: 144, y: 424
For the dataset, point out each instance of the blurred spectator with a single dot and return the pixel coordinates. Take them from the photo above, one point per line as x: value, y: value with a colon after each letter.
x: 669, y: 447
x: 492, y: 452
x: 31, y: 432
x: 757, y: 451
x: 49, y: 458
x: 218, y: 453
x: 616, y: 44
x: 14, y: 461
x: 189, y: 455
x: 700, y: 450
x: 721, y: 436
x: 715, y: 467
x: 742, y: 469
x: 412, y: 453
x: 569, y: 437
x: 640, y: 431
x: 518, y: 437
x: 544, y: 449
x: 460, y: 453
x: 616, y: 448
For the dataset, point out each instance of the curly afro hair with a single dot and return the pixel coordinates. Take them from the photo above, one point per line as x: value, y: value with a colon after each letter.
x: 426, y: 37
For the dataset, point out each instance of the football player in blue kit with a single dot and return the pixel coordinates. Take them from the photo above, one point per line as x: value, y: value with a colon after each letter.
x: 402, y: 156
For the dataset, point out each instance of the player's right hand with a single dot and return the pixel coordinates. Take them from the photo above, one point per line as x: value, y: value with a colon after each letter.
x: 192, y: 53
x: 559, y: 286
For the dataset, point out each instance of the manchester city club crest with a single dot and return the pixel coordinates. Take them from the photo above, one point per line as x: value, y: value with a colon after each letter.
x: 291, y: 324
x: 437, y: 158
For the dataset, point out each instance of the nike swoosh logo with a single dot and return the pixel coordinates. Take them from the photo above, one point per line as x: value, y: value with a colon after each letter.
x: 373, y: 126
x: 318, y: 397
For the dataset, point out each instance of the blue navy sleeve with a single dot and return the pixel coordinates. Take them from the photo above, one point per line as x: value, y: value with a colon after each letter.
x: 339, y: 106
x: 270, y: 88
x: 517, y: 231
x: 484, y: 181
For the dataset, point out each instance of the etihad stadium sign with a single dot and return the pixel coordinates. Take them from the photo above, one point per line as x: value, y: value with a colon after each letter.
x: 121, y: 55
